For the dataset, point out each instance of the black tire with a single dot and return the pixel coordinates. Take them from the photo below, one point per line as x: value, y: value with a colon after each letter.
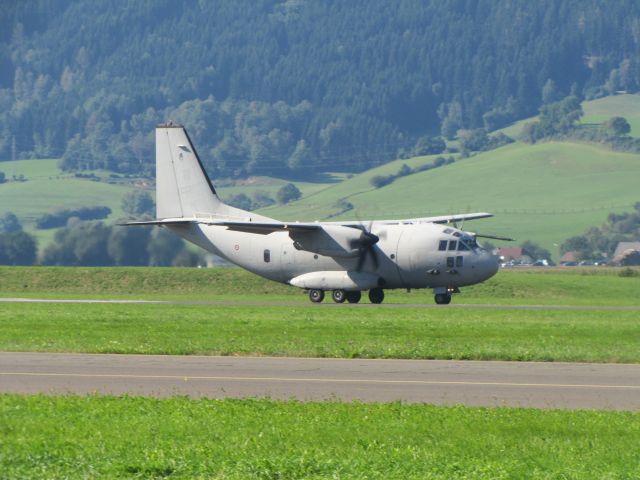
x: 376, y: 295
x: 316, y: 296
x: 339, y: 296
x: 443, y: 298
x: 354, y: 296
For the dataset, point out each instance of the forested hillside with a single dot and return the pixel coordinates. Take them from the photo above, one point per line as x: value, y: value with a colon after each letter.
x: 293, y: 87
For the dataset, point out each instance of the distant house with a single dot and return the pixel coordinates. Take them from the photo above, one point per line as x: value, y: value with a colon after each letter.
x: 568, y: 257
x: 510, y: 253
x: 517, y: 254
x: 627, y: 253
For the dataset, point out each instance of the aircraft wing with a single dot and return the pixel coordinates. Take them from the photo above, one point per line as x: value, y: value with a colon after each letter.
x: 454, y: 218
x: 441, y: 219
x: 264, y: 228
x: 248, y: 226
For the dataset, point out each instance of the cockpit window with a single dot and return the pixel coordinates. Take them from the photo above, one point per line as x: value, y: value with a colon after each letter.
x: 447, y: 230
x: 457, y: 234
x: 468, y: 243
x: 462, y: 247
x: 453, y: 244
x: 442, y: 246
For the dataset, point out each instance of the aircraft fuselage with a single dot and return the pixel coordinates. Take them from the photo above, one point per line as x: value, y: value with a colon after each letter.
x: 409, y: 255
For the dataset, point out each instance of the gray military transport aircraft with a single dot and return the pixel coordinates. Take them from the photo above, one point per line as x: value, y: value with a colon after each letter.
x: 342, y: 257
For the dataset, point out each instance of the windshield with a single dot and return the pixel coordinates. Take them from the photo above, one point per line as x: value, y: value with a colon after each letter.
x: 469, y: 242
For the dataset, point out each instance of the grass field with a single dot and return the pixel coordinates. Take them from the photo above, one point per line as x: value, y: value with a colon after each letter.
x: 84, y: 437
x: 47, y: 189
x: 602, y: 109
x: 324, y: 331
x: 596, y: 112
x: 585, y: 331
x: 543, y: 286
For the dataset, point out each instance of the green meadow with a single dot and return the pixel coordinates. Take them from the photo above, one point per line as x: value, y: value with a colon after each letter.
x: 546, y: 192
x: 339, y: 331
x: 132, y: 437
x: 591, y: 315
x: 602, y: 109
x: 533, y: 286
x: 48, y: 189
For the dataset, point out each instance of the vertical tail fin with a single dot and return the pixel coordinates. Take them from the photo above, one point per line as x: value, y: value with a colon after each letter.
x: 183, y: 187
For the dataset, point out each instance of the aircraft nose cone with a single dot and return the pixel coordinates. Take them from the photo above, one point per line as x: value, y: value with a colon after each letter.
x: 489, y: 265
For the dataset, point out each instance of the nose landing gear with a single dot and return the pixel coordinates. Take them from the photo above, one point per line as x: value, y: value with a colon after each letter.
x: 442, y: 295
x: 443, y: 298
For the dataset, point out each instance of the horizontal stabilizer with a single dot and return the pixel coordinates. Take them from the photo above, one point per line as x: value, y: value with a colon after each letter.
x: 167, y: 221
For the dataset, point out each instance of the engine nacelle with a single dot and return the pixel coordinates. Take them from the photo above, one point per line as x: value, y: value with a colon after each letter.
x: 332, y: 240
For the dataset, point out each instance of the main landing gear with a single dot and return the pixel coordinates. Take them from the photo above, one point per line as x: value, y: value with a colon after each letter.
x: 316, y: 296
x: 376, y: 295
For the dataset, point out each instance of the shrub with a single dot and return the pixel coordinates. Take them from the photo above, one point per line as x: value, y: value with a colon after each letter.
x: 288, y: 193
x: 60, y: 218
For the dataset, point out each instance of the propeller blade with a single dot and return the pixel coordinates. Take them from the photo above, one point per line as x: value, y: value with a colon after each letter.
x: 494, y: 237
x: 361, y: 259
x: 374, y: 257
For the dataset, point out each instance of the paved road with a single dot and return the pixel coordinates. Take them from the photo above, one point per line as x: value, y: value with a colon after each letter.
x: 325, y: 304
x: 522, y: 384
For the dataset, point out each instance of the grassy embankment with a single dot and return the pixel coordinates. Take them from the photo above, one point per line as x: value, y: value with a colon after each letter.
x: 596, y: 286
x: 583, y: 332
x: 80, y: 437
x: 545, y: 192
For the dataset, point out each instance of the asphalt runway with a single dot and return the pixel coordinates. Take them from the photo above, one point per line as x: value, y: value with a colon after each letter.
x: 326, y: 303
x: 516, y: 384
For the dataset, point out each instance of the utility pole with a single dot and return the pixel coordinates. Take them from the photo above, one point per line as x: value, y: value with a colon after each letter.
x: 13, y: 148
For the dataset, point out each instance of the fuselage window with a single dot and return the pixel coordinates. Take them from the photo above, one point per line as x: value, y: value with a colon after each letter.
x: 459, y: 260
x: 267, y: 256
x: 450, y: 262
x: 442, y: 246
x: 453, y: 244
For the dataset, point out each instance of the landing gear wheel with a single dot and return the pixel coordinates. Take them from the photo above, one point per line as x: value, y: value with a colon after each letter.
x: 316, y: 296
x: 376, y: 295
x: 443, y: 298
x: 339, y: 296
x: 354, y: 296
